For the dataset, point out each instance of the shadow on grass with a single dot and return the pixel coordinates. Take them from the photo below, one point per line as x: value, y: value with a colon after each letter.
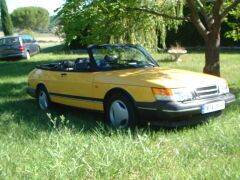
x: 53, y: 49
x: 26, y: 111
x: 236, y: 92
x: 188, y: 122
x: 16, y: 102
x: 16, y: 106
x: 13, y: 90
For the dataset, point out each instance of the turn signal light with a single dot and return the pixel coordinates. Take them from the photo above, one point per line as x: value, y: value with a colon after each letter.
x: 162, y: 91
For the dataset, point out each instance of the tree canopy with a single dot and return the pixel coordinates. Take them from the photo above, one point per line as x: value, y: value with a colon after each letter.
x: 206, y: 16
x: 141, y: 21
x: 235, y: 32
x: 7, y: 25
x: 105, y: 21
x: 34, y: 18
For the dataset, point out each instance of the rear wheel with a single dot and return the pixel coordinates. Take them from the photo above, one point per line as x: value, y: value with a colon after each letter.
x: 43, y: 98
x: 120, y: 111
x: 28, y: 55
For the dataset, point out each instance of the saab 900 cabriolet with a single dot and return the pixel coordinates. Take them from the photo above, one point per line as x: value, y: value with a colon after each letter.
x: 126, y: 83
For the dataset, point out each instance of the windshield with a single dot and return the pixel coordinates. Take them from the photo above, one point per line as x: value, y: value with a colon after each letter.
x: 9, y: 41
x: 120, y: 57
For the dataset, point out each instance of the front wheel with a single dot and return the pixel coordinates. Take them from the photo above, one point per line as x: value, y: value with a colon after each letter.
x: 43, y: 98
x: 120, y: 111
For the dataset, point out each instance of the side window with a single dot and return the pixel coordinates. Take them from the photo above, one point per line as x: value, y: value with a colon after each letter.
x: 30, y: 38
x: 27, y: 39
x: 24, y: 40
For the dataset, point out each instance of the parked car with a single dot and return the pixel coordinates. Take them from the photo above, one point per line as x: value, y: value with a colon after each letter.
x: 21, y: 46
x: 127, y: 84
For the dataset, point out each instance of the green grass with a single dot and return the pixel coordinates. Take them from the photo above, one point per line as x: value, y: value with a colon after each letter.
x: 75, y: 144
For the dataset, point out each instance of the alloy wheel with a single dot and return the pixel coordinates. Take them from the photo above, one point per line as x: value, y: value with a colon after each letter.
x: 119, y: 114
x: 28, y: 55
x: 43, y: 100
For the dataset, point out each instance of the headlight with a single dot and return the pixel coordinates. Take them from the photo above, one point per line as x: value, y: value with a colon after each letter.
x: 223, y: 88
x: 166, y: 94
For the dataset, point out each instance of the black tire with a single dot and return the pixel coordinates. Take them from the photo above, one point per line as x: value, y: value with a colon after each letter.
x: 43, y: 99
x: 126, y: 107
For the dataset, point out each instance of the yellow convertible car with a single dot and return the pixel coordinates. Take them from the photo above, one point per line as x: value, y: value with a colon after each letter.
x: 126, y: 83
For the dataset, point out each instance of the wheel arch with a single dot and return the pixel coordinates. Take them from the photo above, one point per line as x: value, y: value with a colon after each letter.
x: 28, y: 50
x: 39, y: 85
x: 118, y: 90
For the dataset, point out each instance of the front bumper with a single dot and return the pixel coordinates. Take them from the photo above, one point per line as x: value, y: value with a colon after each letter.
x: 169, y: 109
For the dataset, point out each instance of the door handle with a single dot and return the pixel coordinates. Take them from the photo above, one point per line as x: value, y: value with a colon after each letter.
x: 63, y: 74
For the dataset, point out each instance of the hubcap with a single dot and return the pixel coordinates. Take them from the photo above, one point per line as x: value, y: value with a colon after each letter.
x: 28, y: 55
x: 43, y: 100
x: 119, y: 115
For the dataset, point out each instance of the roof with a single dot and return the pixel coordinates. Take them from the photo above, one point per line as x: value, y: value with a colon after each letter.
x: 14, y: 36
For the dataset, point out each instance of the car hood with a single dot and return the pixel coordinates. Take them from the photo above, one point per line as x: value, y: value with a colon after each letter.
x: 157, y: 77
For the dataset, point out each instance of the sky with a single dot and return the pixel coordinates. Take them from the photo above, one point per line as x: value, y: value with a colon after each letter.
x: 50, y: 5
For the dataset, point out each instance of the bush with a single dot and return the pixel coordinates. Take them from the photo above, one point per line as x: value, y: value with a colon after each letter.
x: 34, y: 18
x: 27, y: 31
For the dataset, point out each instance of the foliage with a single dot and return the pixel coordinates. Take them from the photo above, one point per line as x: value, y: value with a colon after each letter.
x: 105, y: 21
x: 177, y: 46
x: 235, y: 32
x: 7, y: 25
x: 54, y: 23
x: 34, y: 18
x: 27, y: 31
x: 185, y: 33
x: 32, y: 148
x: 206, y: 17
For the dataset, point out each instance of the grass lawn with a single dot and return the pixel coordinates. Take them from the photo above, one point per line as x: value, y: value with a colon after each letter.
x: 75, y: 144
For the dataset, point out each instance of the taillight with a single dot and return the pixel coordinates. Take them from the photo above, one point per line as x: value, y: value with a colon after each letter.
x: 21, y: 48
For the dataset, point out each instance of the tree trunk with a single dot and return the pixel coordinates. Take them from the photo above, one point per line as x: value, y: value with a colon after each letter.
x: 212, y: 64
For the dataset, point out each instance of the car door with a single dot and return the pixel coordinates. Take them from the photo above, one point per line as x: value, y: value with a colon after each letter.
x: 36, y: 46
x: 33, y: 45
x: 72, y: 88
x: 27, y: 41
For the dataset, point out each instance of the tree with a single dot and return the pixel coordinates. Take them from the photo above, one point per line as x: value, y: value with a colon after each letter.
x: 34, y: 18
x: 7, y: 25
x: 235, y: 32
x: 105, y: 21
x: 206, y: 16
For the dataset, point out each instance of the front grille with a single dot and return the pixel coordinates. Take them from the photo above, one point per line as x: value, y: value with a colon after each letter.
x: 207, y: 91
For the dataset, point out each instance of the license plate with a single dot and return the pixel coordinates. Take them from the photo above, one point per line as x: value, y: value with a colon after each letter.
x: 212, y: 107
